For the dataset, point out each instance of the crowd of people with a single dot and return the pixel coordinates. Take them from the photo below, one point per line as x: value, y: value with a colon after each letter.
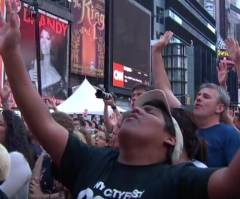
x: 158, y: 149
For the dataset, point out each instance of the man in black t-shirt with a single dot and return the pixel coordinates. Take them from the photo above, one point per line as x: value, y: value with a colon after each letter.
x: 147, y: 138
x: 104, y: 173
x: 97, y: 173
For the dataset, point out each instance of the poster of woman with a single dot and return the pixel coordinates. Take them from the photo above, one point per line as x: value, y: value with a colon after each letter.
x: 51, y: 80
x: 53, y: 41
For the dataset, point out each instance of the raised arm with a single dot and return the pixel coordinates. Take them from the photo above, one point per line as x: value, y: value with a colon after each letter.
x: 4, y: 94
x: 234, y: 51
x: 160, y: 78
x: 107, y: 121
x: 222, y: 72
x: 51, y: 135
x: 225, y: 183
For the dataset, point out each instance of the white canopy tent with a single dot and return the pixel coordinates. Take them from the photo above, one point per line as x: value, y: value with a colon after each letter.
x: 83, y: 98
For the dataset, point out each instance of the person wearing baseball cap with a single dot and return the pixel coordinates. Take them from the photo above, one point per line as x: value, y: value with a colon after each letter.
x: 157, y: 98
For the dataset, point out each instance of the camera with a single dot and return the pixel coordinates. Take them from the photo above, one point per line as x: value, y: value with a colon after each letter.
x: 103, y: 95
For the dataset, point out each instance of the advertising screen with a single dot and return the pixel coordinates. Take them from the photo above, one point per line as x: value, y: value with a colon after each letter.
x: 130, y: 33
x: 53, y: 41
x: 88, y: 38
x: 126, y: 77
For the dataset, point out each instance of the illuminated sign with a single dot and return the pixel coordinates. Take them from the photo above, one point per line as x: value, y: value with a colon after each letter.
x: 59, y: 27
x: 129, y: 45
x: 127, y: 77
x: 222, y: 53
x: 118, y: 75
x: 224, y: 57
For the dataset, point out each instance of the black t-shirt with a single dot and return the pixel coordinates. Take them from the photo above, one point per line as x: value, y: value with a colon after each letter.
x: 3, y: 195
x: 91, y: 172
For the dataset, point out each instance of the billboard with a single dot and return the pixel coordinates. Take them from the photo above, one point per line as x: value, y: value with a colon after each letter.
x: 53, y: 41
x: 88, y: 38
x: 127, y: 77
x: 130, y: 52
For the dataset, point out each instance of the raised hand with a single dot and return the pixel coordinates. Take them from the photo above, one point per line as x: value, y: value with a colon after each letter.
x: 222, y: 72
x: 109, y: 102
x: 5, y: 92
x: 163, y: 42
x: 9, y: 29
x: 234, y: 49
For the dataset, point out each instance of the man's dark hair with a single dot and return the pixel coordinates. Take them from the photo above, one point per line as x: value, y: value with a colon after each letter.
x: 16, y: 135
x: 141, y: 87
x: 169, y: 126
x: 193, y: 145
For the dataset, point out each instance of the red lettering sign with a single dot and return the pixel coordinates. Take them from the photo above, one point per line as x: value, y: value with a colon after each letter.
x: 118, y: 75
x: 45, y: 21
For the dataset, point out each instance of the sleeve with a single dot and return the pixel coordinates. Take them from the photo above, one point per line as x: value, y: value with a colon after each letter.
x: 77, y: 159
x: 231, y: 145
x: 193, y: 182
x: 20, y: 174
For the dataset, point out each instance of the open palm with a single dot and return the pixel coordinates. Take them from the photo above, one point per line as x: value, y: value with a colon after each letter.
x: 5, y: 92
x: 233, y: 49
x: 163, y: 41
x: 9, y: 29
x: 222, y: 72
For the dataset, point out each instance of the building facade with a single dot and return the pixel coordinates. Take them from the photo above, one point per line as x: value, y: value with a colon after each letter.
x: 228, y: 26
x: 190, y: 59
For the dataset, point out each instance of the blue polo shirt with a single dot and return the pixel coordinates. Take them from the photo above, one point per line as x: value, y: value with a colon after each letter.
x: 223, y: 142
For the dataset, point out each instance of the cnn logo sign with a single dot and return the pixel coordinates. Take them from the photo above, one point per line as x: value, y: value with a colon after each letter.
x: 118, y: 75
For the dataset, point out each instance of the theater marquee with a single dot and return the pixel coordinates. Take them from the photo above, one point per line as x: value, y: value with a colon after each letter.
x: 88, y: 37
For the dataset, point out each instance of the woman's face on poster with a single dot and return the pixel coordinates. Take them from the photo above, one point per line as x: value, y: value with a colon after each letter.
x: 45, y: 42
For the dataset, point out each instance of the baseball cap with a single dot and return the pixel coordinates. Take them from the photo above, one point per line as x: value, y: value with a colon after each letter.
x: 160, y: 100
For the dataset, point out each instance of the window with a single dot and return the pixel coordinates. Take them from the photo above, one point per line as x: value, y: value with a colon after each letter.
x: 176, y: 66
x: 159, y: 15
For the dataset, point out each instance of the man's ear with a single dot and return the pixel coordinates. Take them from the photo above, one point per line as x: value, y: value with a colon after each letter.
x: 170, y: 141
x: 220, y: 108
